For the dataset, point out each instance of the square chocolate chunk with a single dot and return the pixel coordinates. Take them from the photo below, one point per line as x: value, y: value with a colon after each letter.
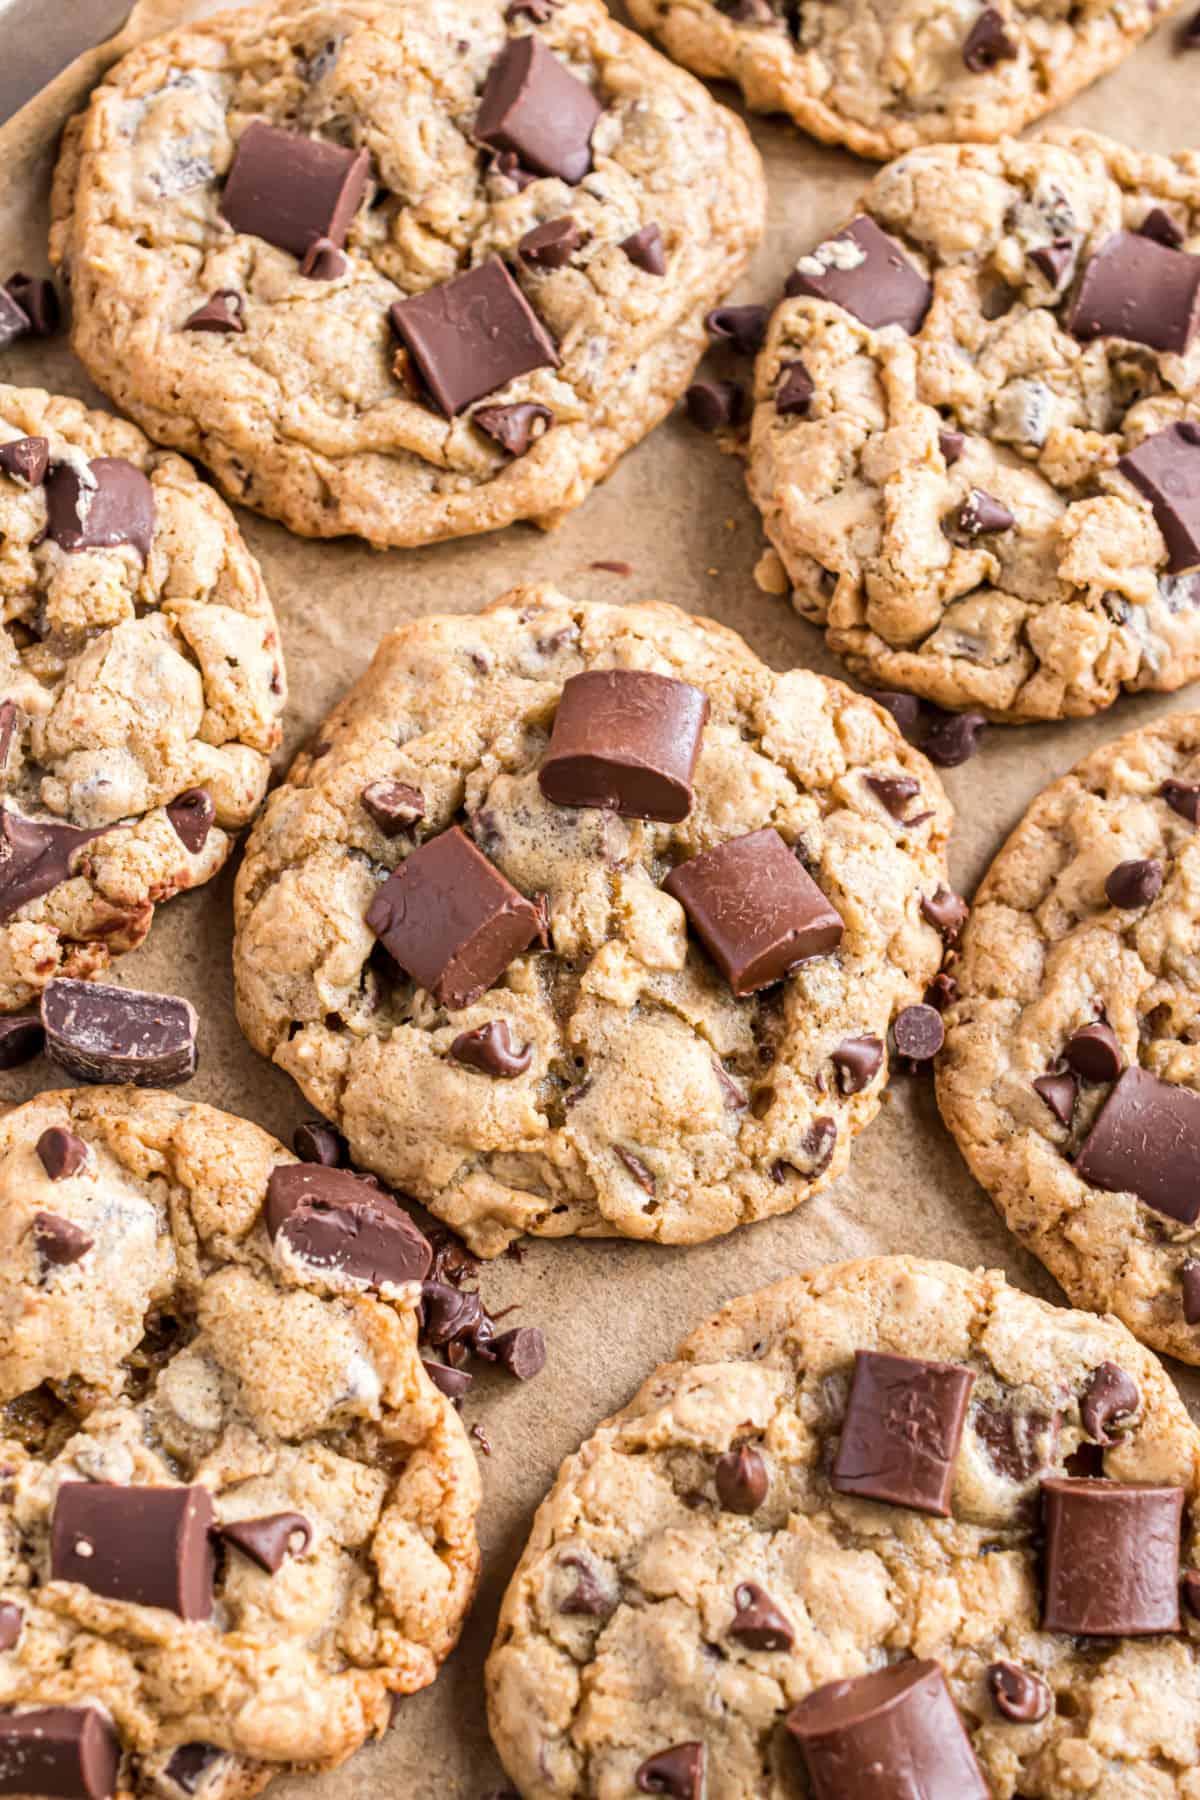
x: 70, y: 1752
x: 473, y: 335
x: 625, y: 739
x: 903, y: 1426
x: 865, y: 270
x: 1112, y: 1558
x: 149, y: 1545
x: 757, y: 911
x: 1166, y: 468
x: 894, y: 1734
x: 1146, y: 1141
x: 291, y: 189
x: 1139, y: 290
x: 533, y: 106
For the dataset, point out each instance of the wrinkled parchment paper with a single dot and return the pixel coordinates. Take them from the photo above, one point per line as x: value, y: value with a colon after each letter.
x: 676, y: 511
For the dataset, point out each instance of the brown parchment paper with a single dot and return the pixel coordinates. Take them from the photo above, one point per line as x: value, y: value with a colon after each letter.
x: 676, y: 511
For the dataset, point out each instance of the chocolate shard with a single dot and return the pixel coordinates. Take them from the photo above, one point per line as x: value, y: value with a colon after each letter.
x: 954, y: 740
x: 951, y: 444
x: 1159, y: 225
x: 324, y: 261
x: 865, y: 271
x: 522, y: 1352
x: 893, y: 791
x: 393, y: 805
x: 1094, y: 1053
x: 1183, y: 797
x: 1112, y: 1558
x: 532, y: 105
x: 1111, y: 1396
x: 646, y: 250
x: 68, y: 1752
x: 1060, y: 1092
x: 757, y: 911
x: 794, y: 395
x: 191, y: 815
x: 11, y: 1620
x: 315, y: 1142
x: 1146, y: 1141
x: 505, y: 166
x: 743, y: 328
x: 1054, y: 261
x: 60, y: 1242
x: 587, y: 1598
x: 289, y: 188
x: 515, y: 428
x: 61, y: 1153
x: 14, y: 320
x: 1140, y: 291
x: 625, y: 740
x: 111, y: 506
x: 472, y: 335
x: 903, y: 1427
x: 190, y: 1763
x: 945, y: 911
x: 741, y: 1480
x: 1134, y: 884
x: 988, y: 42
x: 857, y: 1061
x: 919, y: 1032
x: 982, y: 513
x: 35, y: 855
x: 1018, y: 1444
x: 1166, y: 469
x: 758, y: 1622
x: 21, y: 1039
x: 453, y: 1383
x: 331, y: 1219
x: 942, y: 991
x: 491, y: 1050
x: 892, y: 1732
x: 37, y: 298
x: 222, y: 313
x: 99, y: 1033
x: 552, y: 244
x: 451, y: 919
x: 147, y: 1545
x: 26, y: 460
x: 715, y: 405
x: 449, y: 1316
x: 1018, y: 1694
x: 268, y: 1540
x: 1189, y: 1285
x: 678, y: 1772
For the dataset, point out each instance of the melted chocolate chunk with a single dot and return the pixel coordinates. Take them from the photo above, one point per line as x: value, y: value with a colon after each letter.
x: 646, y: 250
x: 69, y: 1752
x: 491, y: 1050
x: 148, y: 1545
x: 331, y: 1219
x: 678, y: 1772
x: 61, y: 1153
x: 945, y: 911
x: 268, y: 1540
x: 393, y: 805
x: 1138, y: 290
x: 35, y: 855
x: 1134, y: 884
x: 472, y: 335
x: 625, y: 740
x: 891, y: 1733
x: 1146, y: 1141
x: 988, y: 42
x: 1019, y: 1695
x: 289, y: 188
x: 514, y: 428
x: 114, y: 505
x: 60, y: 1242
x: 1166, y: 469
x: 744, y: 328
x: 587, y: 1599
x: 741, y: 1480
x: 26, y: 460
x: 111, y: 1034
x: 1094, y: 1053
x: 1112, y: 1558
x: 758, y: 1622
x: 1017, y: 1444
x: 1111, y: 1395
x: 865, y: 271
x: 903, y: 1426
x: 222, y: 313
x: 553, y: 244
x: 533, y: 106
x: 857, y: 1061
x: 192, y: 814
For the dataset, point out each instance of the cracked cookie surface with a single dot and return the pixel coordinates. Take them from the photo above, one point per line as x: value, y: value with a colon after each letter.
x: 652, y: 1103
x: 871, y: 484
x: 127, y: 681
x: 300, y: 407
x: 1048, y: 954
x: 152, y: 1335
x: 619, y: 1634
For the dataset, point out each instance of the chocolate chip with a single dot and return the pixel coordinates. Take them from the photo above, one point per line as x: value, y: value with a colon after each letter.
x: 1159, y: 225
x: 1146, y: 1141
x: 919, y: 1032
x: 515, y: 428
x: 324, y: 261
x: 37, y: 298
x: 60, y: 1242
x: 453, y: 1383
x: 393, y: 805
x: 14, y: 321
x: 472, y: 335
x: 982, y: 513
x: 1133, y: 884
x: 222, y: 312
x: 758, y: 1622
x: 1112, y: 1558
x: 1060, y: 1092
x: 1166, y: 469
x: 865, y: 271
x: 315, y: 1142
x: 1018, y: 1694
x: 1018, y: 1445
x: 1054, y: 261
x: 626, y: 740
x: 942, y: 991
x: 553, y: 244
x: 11, y: 1620
x: 715, y: 405
x: 1139, y: 291
x: 491, y: 1050
x: 951, y: 444
x: 1094, y: 1053
x: 744, y: 328
x: 903, y: 1426
x: 757, y: 911
x: 905, y: 709
x: 289, y: 188
x: 114, y: 505
x: 1110, y: 1395
x: 68, y: 1751
x: 451, y: 920
x: 794, y: 395
x: 189, y: 1764
x: 646, y: 250
x: 532, y: 105
x: 522, y: 1352
x: 1183, y: 797
x: 35, y: 856
x: 988, y: 43
x: 26, y: 460
x: 192, y: 814
x: 857, y: 1062
x: 678, y: 1772
x: 954, y: 740
x: 1191, y: 1591
x: 112, y: 1034
x: 21, y: 1039
x: 268, y: 1540
x: 893, y: 791
x: 741, y: 1480
x: 147, y: 1545
x: 61, y: 1153
x: 945, y: 911
x: 1189, y: 1281
x: 894, y: 1731
x: 330, y: 1219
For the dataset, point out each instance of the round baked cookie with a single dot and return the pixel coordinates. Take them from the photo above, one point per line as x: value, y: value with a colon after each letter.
x: 591, y: 1069
x: 205, y: 1344
x: 882, y: 79
x: 975, y: 421
x: 1071, y: 1072
x: 548, y: 204
x: 141, y: 687
x: 830, y: 1500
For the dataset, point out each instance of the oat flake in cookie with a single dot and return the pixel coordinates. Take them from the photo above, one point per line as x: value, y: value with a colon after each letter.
x: 577, y: 919
x: 141, y: 687
x: 409, y: 269
x: 808, y: 1558
x: 988, y: 491
x: 1071, y: 1073
x: 236, y: 1517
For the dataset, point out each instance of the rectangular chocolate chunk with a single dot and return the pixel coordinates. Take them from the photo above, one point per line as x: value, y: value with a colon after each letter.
x: 291, y: 189
x: 112, y: 504
x: 892, y: 1734
x: 756, y: 910
x: 904, y: 1424
x: 99, y: 1033
x: 1166, y: 469
x: 331, y: 1219
x: 1146, y: 1141
x: 148, y: 1545
x: 625, y: 739
x: 451, y: 920
x: 534, y: 107
x: 865, y: 270
x: 1139, y: 290
x: 1112, y: 1558
x: 473, y: 335
x: 66, y: 1752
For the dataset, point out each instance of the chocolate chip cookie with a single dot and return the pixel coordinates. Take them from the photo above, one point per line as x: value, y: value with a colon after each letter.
x: 236, y: 1517
x: 404, y: 271
x: 141, y: 687
x: 1071, y: 1075
x: 976, y: 444
x: 884, y: 78
x: 577, y: 919
x: 847, y: 1536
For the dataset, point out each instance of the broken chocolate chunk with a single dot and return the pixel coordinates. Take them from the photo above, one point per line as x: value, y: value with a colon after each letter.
x: 794, y: 395
x: 1189, y: 1283
x: 903, y: 1426
x: 393, y: 805
x: 515, y: 428
x: 1060, y: 1092
x: 37, y: 297
x: 1166, y: 469
x: 988, y: 42
x: 1053, y: 261
x: 324, y: 261
x: 472, y: 335
x: 14, y: 321
x: 190, y: 1763
x: 1112, y: 1558
x: 289, y: 188
x: 268, y: 1540
x: 533, y: 106
x: 1183, y: 797
x: 491, y: 1050
x: 192, y: 814
x: 61, y: 1153
x: 11, y: 1620
x: 865, y: 271
x: 26, y: 460
x: 893, y: 791
x: 99, y: 1033
x: 1138, y: 290
x: 955, y: 739
x: 110, y: 506
x: 552, y: 244
x: 981, y: 513
x: 1159, y: 225
x: 522, y: 1352
x: 945, y: 911
x: 857, y: 1061
x: 903, y: 709
x: 315, y: 1142
x: 70, y: 1752
x: 35, y: 855
x: 625, y: 740
x: 951, y: 444
x: 21, y: 1039
x: 331, y: 1219
x: 893, y: 1732
x: 148, y: 1545
x: 453, y: 1383
x: 1146, y: 1141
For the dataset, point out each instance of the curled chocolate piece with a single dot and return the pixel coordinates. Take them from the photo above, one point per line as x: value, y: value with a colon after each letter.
x: 865, y: 271
x: 113, y: 504
x: 1112, y: 1558
x: 333, y: 1220
x: 893, y: 1732
x: 61, y: 1153
x: 1094, y: 1053
x: 1019, y: 1695
x: 533, y: 106
x: 758, y: 1622
x: 26, y: 460
x: 289, y: 188
x: 741, y: 1480
x: 70, y: 1752
x: 192, y: 814
x: 472, y: 335
x: 1134, y: 884
x: 268, y: 1540
x: 857, y: 1061
x: 1146, y: 1141
x: 903, y: 1426
x: 514, y: 428
x: 1111, y: 1395
x: 678, y: 1772
x: 99, y: 1033
x: 626, y: 740
x: 148, y: 1545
